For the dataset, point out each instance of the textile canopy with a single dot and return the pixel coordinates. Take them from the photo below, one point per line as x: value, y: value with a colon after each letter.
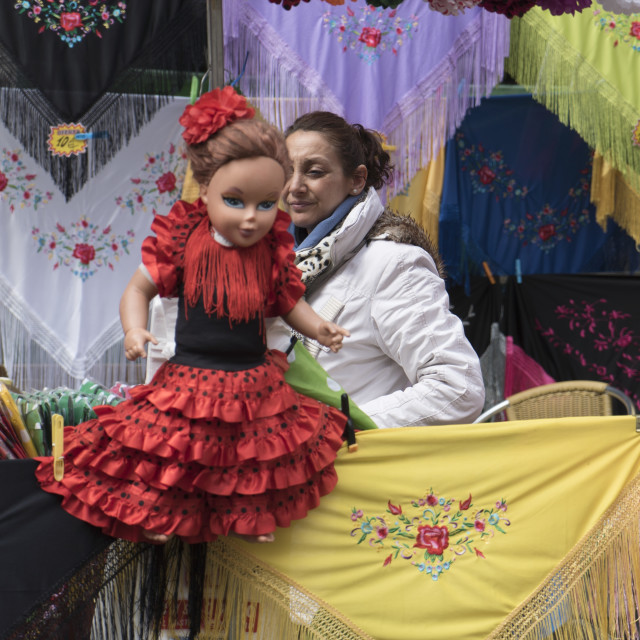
x: 410, y: 73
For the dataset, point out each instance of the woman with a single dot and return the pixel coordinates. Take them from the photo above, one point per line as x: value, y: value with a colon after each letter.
x: 407, y: 361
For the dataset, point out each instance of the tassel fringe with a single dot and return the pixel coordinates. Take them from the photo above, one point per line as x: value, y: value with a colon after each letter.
x: 282, y: 86
x: 131, y: 102
x: 594, y: 592
x: 544, y: 61
x: 35, y: 359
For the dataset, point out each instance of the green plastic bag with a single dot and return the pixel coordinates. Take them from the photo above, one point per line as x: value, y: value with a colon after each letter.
x: 307, y: 377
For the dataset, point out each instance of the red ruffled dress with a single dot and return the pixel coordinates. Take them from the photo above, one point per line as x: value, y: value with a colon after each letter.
x: 217, y: 442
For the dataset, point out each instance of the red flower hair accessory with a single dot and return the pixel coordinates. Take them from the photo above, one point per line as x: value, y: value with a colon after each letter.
x: 212, y: 111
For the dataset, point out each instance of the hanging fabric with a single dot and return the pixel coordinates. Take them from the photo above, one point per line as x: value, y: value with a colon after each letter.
x: 100, y: 70
x: 576, y: 327
x: 64, y: 265
x: 408, y: 72
x: 517, y: 187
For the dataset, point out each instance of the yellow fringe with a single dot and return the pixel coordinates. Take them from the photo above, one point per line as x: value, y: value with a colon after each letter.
x: 593, y: 593
x: 245, y: 598
x: 614, y: 197
x: 560, y: 78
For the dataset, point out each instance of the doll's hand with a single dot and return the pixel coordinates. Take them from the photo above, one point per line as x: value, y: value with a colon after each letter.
x: 135, y: 340
x: 331, y: 335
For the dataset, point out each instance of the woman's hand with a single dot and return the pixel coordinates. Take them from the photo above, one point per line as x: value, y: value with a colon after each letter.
x: 331, y: 335
x: 135, y: 340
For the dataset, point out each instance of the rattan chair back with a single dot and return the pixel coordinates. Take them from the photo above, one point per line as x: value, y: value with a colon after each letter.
x: 562, y: 400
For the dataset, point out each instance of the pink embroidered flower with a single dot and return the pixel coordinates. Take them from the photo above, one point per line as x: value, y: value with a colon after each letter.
x: 370, y: 36
x: 70, y: 21
x: 166, y: 182
x: 635, y: 29
x: 434, y: 539
x: 432, y: 500
x: 382, y: 532
x: 479, y: 525
x: 547, y: 231
x: 486, y: 175
x: 4, y: 181
x: 84, y: 252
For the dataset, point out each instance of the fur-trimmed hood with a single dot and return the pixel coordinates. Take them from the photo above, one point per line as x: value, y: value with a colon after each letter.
x: 403, y: 229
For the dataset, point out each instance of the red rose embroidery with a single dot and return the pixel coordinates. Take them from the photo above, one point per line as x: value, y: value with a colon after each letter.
x: 466, y: 504
x: 4, y: 181
x: 434, y: 539
x: 635, y: 29
x: 212, y: 111
x: 70, y: 21
x: 166, y: 182
x: 84, y: 252
x: 370, y: 36
x: 432, y: 500
x: 547, y: 231
x: 486, y: 175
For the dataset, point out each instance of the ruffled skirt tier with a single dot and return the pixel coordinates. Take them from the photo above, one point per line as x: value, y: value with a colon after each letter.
x: 200, y: 453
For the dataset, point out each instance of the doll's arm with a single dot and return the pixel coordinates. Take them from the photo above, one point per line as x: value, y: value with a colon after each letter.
x: 304, y: 319
x: 134, y: 315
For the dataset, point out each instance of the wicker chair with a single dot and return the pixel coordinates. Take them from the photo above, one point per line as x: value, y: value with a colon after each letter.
x: 561, y: 400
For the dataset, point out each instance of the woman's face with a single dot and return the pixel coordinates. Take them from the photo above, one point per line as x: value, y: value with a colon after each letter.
x: 318, y: 183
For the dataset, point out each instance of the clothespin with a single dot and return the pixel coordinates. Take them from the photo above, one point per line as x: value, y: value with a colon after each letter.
x: 518, y: 271
x: 349, y: 433
x: 57, y: 437
x: 487, y: 270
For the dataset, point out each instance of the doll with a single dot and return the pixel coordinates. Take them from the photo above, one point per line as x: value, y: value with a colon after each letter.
x: 217, y: 443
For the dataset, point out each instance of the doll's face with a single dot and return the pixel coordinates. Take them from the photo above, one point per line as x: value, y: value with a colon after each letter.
x: 242, y: 199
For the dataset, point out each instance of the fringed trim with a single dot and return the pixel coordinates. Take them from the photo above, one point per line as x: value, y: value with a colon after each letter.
x: 430, y: 113
x: 614, y: 197
x: 276, y: 80
x: 130, y: 103
x: 36, y: 359
x: 256, y: 599
x: 562, y: 80
x: 231, y: 282
x: 594, y: 592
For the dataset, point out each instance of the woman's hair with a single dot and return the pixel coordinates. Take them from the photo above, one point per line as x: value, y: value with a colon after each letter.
x: 236, y: 141
x: 354, y: 145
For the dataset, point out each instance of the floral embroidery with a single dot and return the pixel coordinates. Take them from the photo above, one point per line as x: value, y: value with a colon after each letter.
x: 623, y: 28
x: 372, y: 32
x: 488, y: 171
x: 157, y: 188
x: 608, y: 331
x: 431, y: 533
x: 548, y: 227
x: 17, y: 187
x: 72, y: 20
x: 84, y: 248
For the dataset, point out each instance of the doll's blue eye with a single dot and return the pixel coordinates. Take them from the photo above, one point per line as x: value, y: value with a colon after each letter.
x: 236, y: 203
x: 266, y: 205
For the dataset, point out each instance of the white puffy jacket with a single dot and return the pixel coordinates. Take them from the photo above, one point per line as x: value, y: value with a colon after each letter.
x: 407, y: 361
